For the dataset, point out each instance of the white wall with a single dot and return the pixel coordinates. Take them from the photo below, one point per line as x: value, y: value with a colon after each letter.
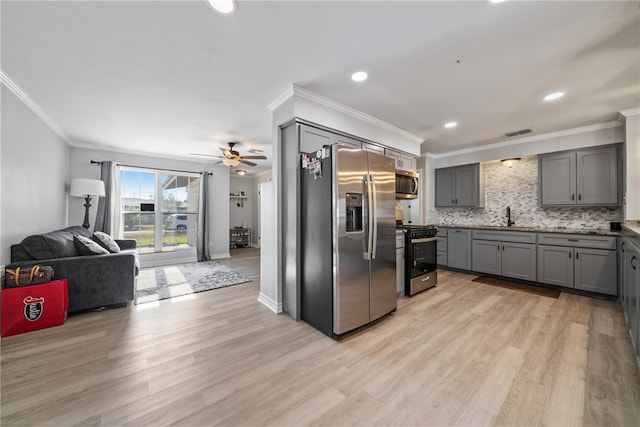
x: 256, y: 221
x: 244, y: 212
x: 34, y: 178
x: 80, y: 164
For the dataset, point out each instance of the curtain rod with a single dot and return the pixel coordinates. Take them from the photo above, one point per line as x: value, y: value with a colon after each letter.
x: 94, y: 162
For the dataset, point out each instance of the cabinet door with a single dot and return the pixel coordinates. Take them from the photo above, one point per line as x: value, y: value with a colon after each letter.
x: 373, y: 148
x: 597, y: 176
x: 632, y: 283
x: 558, y: 179
x: 312, y: 139
x: 466, y: 185
x: 596, y: 271
x: 445, y: 189
x: 345, y: 141
x: 400, y: 271
x: 555, y: 265
x: 407, y: 162
x: 395, y: 155
x: 459, y: 249
x: 519, y: 261
x: 486, y: 257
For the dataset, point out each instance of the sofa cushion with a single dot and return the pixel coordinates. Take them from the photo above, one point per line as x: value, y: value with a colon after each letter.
x: 56, y: 244
x: 86, y: 246
x: 106, y: 241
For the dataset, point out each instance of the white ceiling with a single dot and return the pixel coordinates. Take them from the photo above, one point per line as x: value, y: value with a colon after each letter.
x: 174, y: 77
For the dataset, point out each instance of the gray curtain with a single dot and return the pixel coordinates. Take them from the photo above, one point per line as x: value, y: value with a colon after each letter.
x: 103, y: 217
x: 202, y: 242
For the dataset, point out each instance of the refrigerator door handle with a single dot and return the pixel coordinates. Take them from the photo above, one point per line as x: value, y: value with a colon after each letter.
x: 374, y: 233
x: 368, y: 185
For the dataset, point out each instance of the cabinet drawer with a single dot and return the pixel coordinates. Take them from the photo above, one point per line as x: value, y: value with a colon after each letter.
x: 442, y: 244
x: 400, y: 240
x: 441, y: 258
x: 505, y: 236
x: 442, y: 232
x: 577, y: 240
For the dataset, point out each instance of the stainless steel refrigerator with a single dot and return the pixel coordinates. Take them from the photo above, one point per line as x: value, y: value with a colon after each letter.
x: 348, y: 263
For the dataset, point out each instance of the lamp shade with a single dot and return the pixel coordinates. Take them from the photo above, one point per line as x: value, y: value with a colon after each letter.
x: 82, y: 187
x: 230, y: 162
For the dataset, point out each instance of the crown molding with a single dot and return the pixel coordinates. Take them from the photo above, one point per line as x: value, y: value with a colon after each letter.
x: 527, y: 139
x: 281, y: 99
x: 629, y: 112
x: 33, y: 106
x: 334, y: 105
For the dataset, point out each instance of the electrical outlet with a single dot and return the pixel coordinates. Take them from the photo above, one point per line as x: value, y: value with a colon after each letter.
x: 585, y: 216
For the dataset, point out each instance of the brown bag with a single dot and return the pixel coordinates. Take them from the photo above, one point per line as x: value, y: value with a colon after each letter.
x: 28, y: 276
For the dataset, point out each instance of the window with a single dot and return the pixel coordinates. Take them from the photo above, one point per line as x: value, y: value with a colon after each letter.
x: 159, y: 208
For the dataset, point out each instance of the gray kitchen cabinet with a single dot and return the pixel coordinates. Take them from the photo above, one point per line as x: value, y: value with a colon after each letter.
x: 459, y: 248
x: 584, y: 262
x: 581, y: 177
x: 400, y: 263
x: 631, y: 285
x: 505, y: 253
x: 347, y: 142
x: 313, y: 139
x: 460, y: 186
x: 373, y: 148
x: 403, y: 161
x: 441, y: 247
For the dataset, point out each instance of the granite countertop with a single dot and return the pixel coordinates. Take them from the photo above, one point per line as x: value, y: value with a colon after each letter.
x: 633, y: 226
x: 600, y: 232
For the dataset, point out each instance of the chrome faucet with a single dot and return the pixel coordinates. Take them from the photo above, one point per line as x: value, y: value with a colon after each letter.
x: 509, y: 222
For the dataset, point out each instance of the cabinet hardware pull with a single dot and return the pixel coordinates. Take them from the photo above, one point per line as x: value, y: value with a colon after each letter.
x: 569, y: 254
x: 573, y: 197
x: 622, y: 246
x: 573, y: 240
x: 577, y: 255
x: 503, y: 247
x: 579, y: 196
x: 632, y: 264
x: 453, y: 201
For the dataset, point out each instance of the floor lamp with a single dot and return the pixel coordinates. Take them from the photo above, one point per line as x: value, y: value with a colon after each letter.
x: 82, y: 187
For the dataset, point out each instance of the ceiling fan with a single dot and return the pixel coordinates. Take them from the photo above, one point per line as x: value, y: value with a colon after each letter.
x: 233, y: 158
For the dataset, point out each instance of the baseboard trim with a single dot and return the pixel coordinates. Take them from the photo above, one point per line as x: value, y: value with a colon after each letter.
x: 221, y: 255
x: 269, y: 303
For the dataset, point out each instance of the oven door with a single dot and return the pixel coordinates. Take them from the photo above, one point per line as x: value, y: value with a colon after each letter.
x: 421, y: 265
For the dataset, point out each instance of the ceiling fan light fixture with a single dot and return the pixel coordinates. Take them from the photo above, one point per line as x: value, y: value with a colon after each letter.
x: 241, y: 172
x: 359, y: 76
x: 230, y: 162
x: 223, y: 6
x: 450, y: 125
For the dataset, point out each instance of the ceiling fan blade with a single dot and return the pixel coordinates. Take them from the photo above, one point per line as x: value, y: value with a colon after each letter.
x: 255, y: 157
x: 207, y: 155
x: 247, y: 163
x: 226, y: 152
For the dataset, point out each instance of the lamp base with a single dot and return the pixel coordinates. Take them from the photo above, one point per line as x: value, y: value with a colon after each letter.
x: 87, y: 205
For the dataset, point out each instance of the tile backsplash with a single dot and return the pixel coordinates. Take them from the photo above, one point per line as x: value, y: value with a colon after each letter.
x: 517, y: 187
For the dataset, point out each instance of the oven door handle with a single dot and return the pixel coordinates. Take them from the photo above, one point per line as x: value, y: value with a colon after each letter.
x: 430, y: 239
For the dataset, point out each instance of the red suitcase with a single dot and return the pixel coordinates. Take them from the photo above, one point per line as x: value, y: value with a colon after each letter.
x: 30, y: 308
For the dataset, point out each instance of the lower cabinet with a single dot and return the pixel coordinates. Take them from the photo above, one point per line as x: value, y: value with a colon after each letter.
x: 459, y: 248
x: 593, y: 270
x: 509, y: 259
x: 631, y: 288
x: 441, y: 253
x: 400, y: 263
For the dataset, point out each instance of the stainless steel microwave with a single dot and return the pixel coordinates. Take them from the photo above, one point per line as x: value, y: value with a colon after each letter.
x: 406, y: 184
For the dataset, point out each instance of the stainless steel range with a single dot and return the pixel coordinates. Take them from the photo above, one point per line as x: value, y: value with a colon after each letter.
x: 420, y: 258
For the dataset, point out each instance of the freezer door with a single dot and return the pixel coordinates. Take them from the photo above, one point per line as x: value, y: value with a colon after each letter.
x: 351, y: 286
x: 383, y: 262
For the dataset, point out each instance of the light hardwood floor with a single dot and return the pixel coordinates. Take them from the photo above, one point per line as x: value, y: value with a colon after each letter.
x: 463, y: 353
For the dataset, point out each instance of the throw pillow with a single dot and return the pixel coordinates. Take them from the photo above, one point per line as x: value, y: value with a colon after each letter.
x: 87, y: 246
x: 106, y: 241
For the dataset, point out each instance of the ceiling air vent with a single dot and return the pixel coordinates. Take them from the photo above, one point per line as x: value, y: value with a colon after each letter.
x: 518, y: 132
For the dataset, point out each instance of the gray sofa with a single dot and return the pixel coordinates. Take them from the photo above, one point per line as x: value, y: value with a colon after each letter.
x: 95, y: 281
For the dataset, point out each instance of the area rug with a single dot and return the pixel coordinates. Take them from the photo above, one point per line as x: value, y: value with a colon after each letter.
x: 159, y: 283
x: 522, y: 287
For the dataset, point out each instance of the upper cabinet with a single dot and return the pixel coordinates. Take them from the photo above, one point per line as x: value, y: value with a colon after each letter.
x: 312, y: 139
x: 403, y: 161
x: 460, y: 186
x: 581, y: 177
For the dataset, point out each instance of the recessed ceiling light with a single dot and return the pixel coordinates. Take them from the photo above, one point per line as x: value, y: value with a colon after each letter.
x: 223, y: 6
x: 553, y: 96
x: 255, y: 151
x: 451, y: 125
x: 497, y: 1
x: 359, y: 76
